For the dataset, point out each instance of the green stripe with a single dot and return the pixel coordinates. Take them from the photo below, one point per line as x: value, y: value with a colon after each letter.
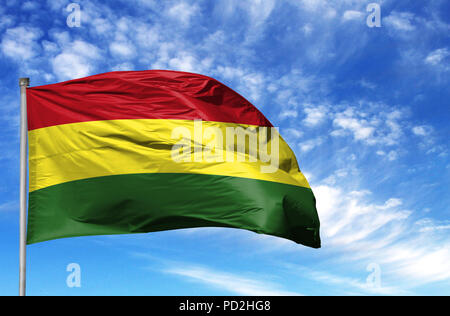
x: 139, y: 203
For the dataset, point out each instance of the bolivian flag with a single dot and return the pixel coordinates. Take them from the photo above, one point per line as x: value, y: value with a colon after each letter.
x: 143, y: 151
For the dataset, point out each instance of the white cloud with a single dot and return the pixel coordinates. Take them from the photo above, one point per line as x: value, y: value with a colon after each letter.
x: 249, y: 83
x: 100, y: 25
x: 315, y: 115
x: 430, y: 225
x: 366, y: 84
x: 440, y: 150
x: 434, y: 228
x: 259, y: 10
x: 50, y: 48
x: 307, y: 29
x: 293, y: 86
x: 338, y: 175
x: 182, y: 12
x: 146, y: 36
x: 256, y: 10
x: 437, y: 56
x: 392, y: 155
x: 29, y: 5
x: 346, y: 219
x: 232, y: 283
x: 310, y: 144
x: 20, y: 43
x: 360, y: 128
x: 291, y: 135
x: 310, y: 5
x: 85, y: 49
x: 6, y: 21
x: 185, y: 61
x: 122, y: 49
x: 400, y: 21
x: 384, y: 234
x: 57, y: 5
x: 9, y: 206
x: 78, y: 59
x: 284, y: 114
x: 254, y: 83
x: 392, y: 202
x: 70, y: 66
x: 423, y: 130
x: 230, y: 73
x: 349, y: 283
x: 253, y: 16
x: 420, y: 259
x: 352, y: 15
x: 373, y: 125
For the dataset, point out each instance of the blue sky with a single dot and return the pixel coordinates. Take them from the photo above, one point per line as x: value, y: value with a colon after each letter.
x: 366, y: 111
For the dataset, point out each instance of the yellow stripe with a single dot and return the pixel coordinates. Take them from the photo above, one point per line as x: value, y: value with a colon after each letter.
x: 69, y: 152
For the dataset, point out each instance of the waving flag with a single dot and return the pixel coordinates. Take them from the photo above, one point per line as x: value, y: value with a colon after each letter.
x: 144, y: 151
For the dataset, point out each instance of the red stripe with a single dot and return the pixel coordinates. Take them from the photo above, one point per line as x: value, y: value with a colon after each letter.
x: 150, y: 94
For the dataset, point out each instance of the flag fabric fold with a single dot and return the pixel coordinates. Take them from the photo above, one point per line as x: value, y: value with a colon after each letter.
x: 144, y: 151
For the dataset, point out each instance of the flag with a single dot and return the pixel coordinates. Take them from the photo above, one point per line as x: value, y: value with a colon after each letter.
x: 143, y: 151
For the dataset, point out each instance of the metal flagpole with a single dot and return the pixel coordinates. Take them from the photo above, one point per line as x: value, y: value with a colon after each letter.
x: 23, y: 83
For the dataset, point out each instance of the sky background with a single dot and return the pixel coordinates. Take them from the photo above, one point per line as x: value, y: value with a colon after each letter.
x: 366, y: 110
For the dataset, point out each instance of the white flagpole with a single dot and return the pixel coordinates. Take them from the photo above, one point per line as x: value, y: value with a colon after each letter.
x: 23, y: 83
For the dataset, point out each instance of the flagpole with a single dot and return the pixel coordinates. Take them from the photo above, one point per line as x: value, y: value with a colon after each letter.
x: 23, y: 83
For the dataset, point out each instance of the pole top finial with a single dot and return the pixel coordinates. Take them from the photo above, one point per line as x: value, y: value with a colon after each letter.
x: 24, y: 82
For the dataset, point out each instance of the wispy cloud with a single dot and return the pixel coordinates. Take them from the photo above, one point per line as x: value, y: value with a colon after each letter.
x: 9, y: 206
x: 21, y: 43
x: 76, y: 60
x: 310, y: 144
x: 230, y: 282
x: 315, y: 115
x: 383, y: 233
x: 345, y: 284
x: 352, y: 15
x: 437, y: 56
x: 422, y: 130
x: 370, y: 123
x: 400, y: 21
